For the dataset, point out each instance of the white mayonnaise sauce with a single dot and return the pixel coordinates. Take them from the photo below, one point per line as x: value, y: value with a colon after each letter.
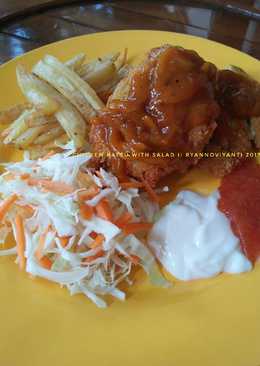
x: 193, y: 239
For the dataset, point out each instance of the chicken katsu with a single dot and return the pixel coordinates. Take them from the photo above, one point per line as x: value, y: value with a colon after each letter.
x: 238, y: 124
x: 167, y: 104
x: 175, y: 102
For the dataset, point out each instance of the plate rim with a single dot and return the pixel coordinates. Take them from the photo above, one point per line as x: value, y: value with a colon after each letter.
x: 90, y: 35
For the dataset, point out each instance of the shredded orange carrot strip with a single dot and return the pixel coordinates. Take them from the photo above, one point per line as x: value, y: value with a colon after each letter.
x: 29, y: 209
x: 123, y: 219
x: 9, y: 176
x: 89, y: 259
x: 64, y: 240
x: 154, y: 197
x: 20, y: 238
x: 98, y: 241
x: 25, y: 176
x: 103, y: 210
x: 39, y: 250
x: 6, y: 205
x: 26, y: 210
x: 48, y: 185
x: 88, y: 193
x: 86, y: 211
x: 45, y: 262
x: 136, y: 227
x: 127, y: 185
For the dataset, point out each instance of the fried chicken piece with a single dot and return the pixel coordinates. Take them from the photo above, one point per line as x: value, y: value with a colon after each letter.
x: 230, y: 136
x: 166, y: 104
x: 238, y: 94
x: 255, y: 130
x: 239, y: 123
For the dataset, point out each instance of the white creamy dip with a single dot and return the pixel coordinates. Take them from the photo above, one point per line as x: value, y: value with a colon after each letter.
x: 193, y: 239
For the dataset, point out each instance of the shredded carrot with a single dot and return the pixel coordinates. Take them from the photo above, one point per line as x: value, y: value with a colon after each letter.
x: 39, y: 250
x: 37, y: 182
x: 26, y: 210
x: 9, y: 176
x: 48, y: 185
x: 86, y: 211
x: 29, y: 209
x: 123, y: 219
x: 98, y: 241
x: 127, y: 185
x: 6, y: 205
x: 20, y: 238
x: 45, y: 262
x: 64, y: 240
x: 88, y: 193
x: 25, y: 176
x: 154, y: 197
x: 89, y: 259
x: 135, y: 227
x: 103, y: 210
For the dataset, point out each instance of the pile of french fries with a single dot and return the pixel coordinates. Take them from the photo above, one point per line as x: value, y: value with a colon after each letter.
x: 61, y: 100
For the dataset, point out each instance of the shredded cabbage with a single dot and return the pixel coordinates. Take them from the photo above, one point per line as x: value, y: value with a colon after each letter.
x: 90, y: 256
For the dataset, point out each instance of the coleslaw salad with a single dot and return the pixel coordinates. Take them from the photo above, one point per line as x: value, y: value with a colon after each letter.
x: 76, y: 226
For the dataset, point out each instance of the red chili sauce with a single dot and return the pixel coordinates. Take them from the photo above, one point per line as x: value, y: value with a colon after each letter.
x: 240, y: 201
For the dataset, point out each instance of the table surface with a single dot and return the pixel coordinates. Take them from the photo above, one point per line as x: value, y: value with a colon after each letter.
x: 28, y: 24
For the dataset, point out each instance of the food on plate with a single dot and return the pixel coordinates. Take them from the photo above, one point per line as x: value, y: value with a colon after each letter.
x: 167, y: 104
x: 10, y: 114
x: 231, y: 135
x: 85, y: 221
x: 193, y: 239
x: 175, y: 101
x: 70, y: 85
x: 75, y: 226
x: 238, y: 94
x: 240, y: 201
x: 62, y: 98
x: 255, y: 130
x: 47, y: 99
x: 238, y: 125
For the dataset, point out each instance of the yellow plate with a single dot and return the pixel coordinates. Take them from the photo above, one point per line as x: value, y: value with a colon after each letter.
x: 206, y: 323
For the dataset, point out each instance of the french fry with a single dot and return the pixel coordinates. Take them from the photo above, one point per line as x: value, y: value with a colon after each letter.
x: 74, y: 79
x: 63, y: 139
x: 51, y: 134
x: 65, y: 87
x: 93, y: 65
x: 36, y: 91
x: 122, y: 89
x: 38, y: 151
x: 67, y: 115
x: 102, y: 74
x: 111, y: 84
x: 41, y: 120
x: 121, y: 61
x: 17, y: 127
x: 76, y: 62
x: 28, y: 118
x: 27, y: 138
x: 11, y: 114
